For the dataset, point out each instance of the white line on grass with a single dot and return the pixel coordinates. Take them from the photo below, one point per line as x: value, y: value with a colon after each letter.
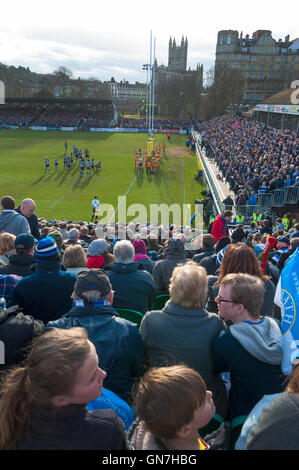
x: 56, y: 202
x: 123, y: 198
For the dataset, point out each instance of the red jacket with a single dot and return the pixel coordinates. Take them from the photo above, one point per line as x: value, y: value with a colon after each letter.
x: 218, y: 228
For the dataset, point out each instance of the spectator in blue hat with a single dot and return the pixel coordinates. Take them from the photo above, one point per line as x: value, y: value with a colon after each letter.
x: 46, y: 294
x: 22, y: 261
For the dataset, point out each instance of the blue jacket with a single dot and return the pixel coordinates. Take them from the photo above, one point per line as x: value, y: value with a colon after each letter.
x: 46, y: 294
x: 117, y: 341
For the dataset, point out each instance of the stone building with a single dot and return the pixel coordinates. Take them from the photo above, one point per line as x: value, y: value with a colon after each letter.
x: 268, y: 66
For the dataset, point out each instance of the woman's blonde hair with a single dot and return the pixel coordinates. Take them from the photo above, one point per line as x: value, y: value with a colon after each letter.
x: 189, y: 285
x: 7, y: 242
x: 49, y: 370
x: 167, y: 397
x: 74, y: 257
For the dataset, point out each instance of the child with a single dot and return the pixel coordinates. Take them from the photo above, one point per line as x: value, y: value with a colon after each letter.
x: 172, y: 404
x: 42, y: 405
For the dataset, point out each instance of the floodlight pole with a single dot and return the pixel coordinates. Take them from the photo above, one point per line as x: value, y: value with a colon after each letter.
x: 154, y: 76
x: 150, y: 96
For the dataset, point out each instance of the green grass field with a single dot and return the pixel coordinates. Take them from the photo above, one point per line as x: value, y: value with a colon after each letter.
x: 63, y: 196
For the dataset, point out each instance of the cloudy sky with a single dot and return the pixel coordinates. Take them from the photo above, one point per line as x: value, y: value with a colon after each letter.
x: 112, y: 38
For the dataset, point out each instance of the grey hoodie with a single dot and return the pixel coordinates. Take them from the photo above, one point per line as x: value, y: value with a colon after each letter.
x: 263, y: 340
x: 13, y: 222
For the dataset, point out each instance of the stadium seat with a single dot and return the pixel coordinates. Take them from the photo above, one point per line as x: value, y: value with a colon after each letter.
x: 160, y: 301
x: 236, y: 428
x: 131, y: 315
x: 214, y: 424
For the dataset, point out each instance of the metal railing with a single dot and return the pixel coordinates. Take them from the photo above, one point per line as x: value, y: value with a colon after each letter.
x: 279, y: 197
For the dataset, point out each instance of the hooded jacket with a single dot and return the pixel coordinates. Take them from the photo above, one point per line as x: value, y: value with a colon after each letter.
x: 219, y: 228
x: 12, y: 222
x: 162, y: 271
x: 252, y: 353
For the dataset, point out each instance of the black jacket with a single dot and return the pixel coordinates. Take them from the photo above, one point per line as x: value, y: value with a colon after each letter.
x: 17, y: 331
x: 72, y: 428
x: 33, y: 223
x: 203, y: 253
x: 21, y: 265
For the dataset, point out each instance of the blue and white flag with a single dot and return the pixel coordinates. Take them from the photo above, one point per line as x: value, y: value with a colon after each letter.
x: 287, y: 298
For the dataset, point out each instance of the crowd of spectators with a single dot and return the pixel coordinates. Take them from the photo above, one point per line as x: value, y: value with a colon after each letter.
x: 251, y: 157
x: 137, y: 123
x: 68, y: 117
x: 215, y: 349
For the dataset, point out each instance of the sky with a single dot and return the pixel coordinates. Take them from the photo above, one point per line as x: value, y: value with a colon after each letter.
x: 104, y: 39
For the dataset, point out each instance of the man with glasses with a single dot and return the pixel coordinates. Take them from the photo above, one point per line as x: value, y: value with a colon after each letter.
x: 251, y: 348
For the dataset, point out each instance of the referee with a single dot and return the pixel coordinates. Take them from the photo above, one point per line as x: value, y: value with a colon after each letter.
x: 95, y: 204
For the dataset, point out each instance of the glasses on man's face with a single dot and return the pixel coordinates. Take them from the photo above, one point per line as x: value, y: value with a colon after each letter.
x: 224, y: 300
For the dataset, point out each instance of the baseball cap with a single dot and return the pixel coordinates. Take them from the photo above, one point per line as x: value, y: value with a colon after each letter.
x: 93, y: 279
x: 24, y: 242
x: 283, y: 240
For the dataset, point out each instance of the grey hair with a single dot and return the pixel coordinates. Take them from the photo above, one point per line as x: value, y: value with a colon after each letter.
x: 124, y: 252
x: 93, y: 295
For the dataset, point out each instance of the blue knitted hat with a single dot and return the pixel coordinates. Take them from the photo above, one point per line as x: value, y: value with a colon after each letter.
x: 46, y: 250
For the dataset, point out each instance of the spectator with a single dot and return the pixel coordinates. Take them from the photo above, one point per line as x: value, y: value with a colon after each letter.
x: 294, y: 244
x: 228, y: 203
x: 162, y: 271
x: 295, y: 234
x: 163, y: 425
x: 208, y: 242
x: 56, y: 234
x: 46, y: 294
x: 134, y: 287
x: 239, y: 258
x: 7, y: 247
x: 74, y: 259
x: 98, y: 255
x: 17, y: 331
x: 283, y: 245
x: 277, y: 427
x: 27, y: 209
x: 251, y: 349
x: 183, y: 330
x: 60, y: 376
x: 21, y: 262
x: 84, y: 235
x: 73, y: 239
x: 238, y: 234
x: 10, y: 220
x: 220, y: 225
x: 266, y: 227
x: 117, y: 341
x: 141, y: 256
x: 7, y: 284
x: 63, y: 230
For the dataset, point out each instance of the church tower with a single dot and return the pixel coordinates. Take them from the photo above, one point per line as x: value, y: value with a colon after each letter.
x: 177, y: 56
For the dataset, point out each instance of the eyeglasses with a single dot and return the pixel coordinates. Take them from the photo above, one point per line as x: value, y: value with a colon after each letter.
x: 223, y: 300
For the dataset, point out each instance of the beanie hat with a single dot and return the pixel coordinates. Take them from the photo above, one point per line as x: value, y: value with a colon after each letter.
x: 139, y: 246
x: 24, y: 242
x: 57, y: 237
x: 97, y: 247
x: 46, y: 250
